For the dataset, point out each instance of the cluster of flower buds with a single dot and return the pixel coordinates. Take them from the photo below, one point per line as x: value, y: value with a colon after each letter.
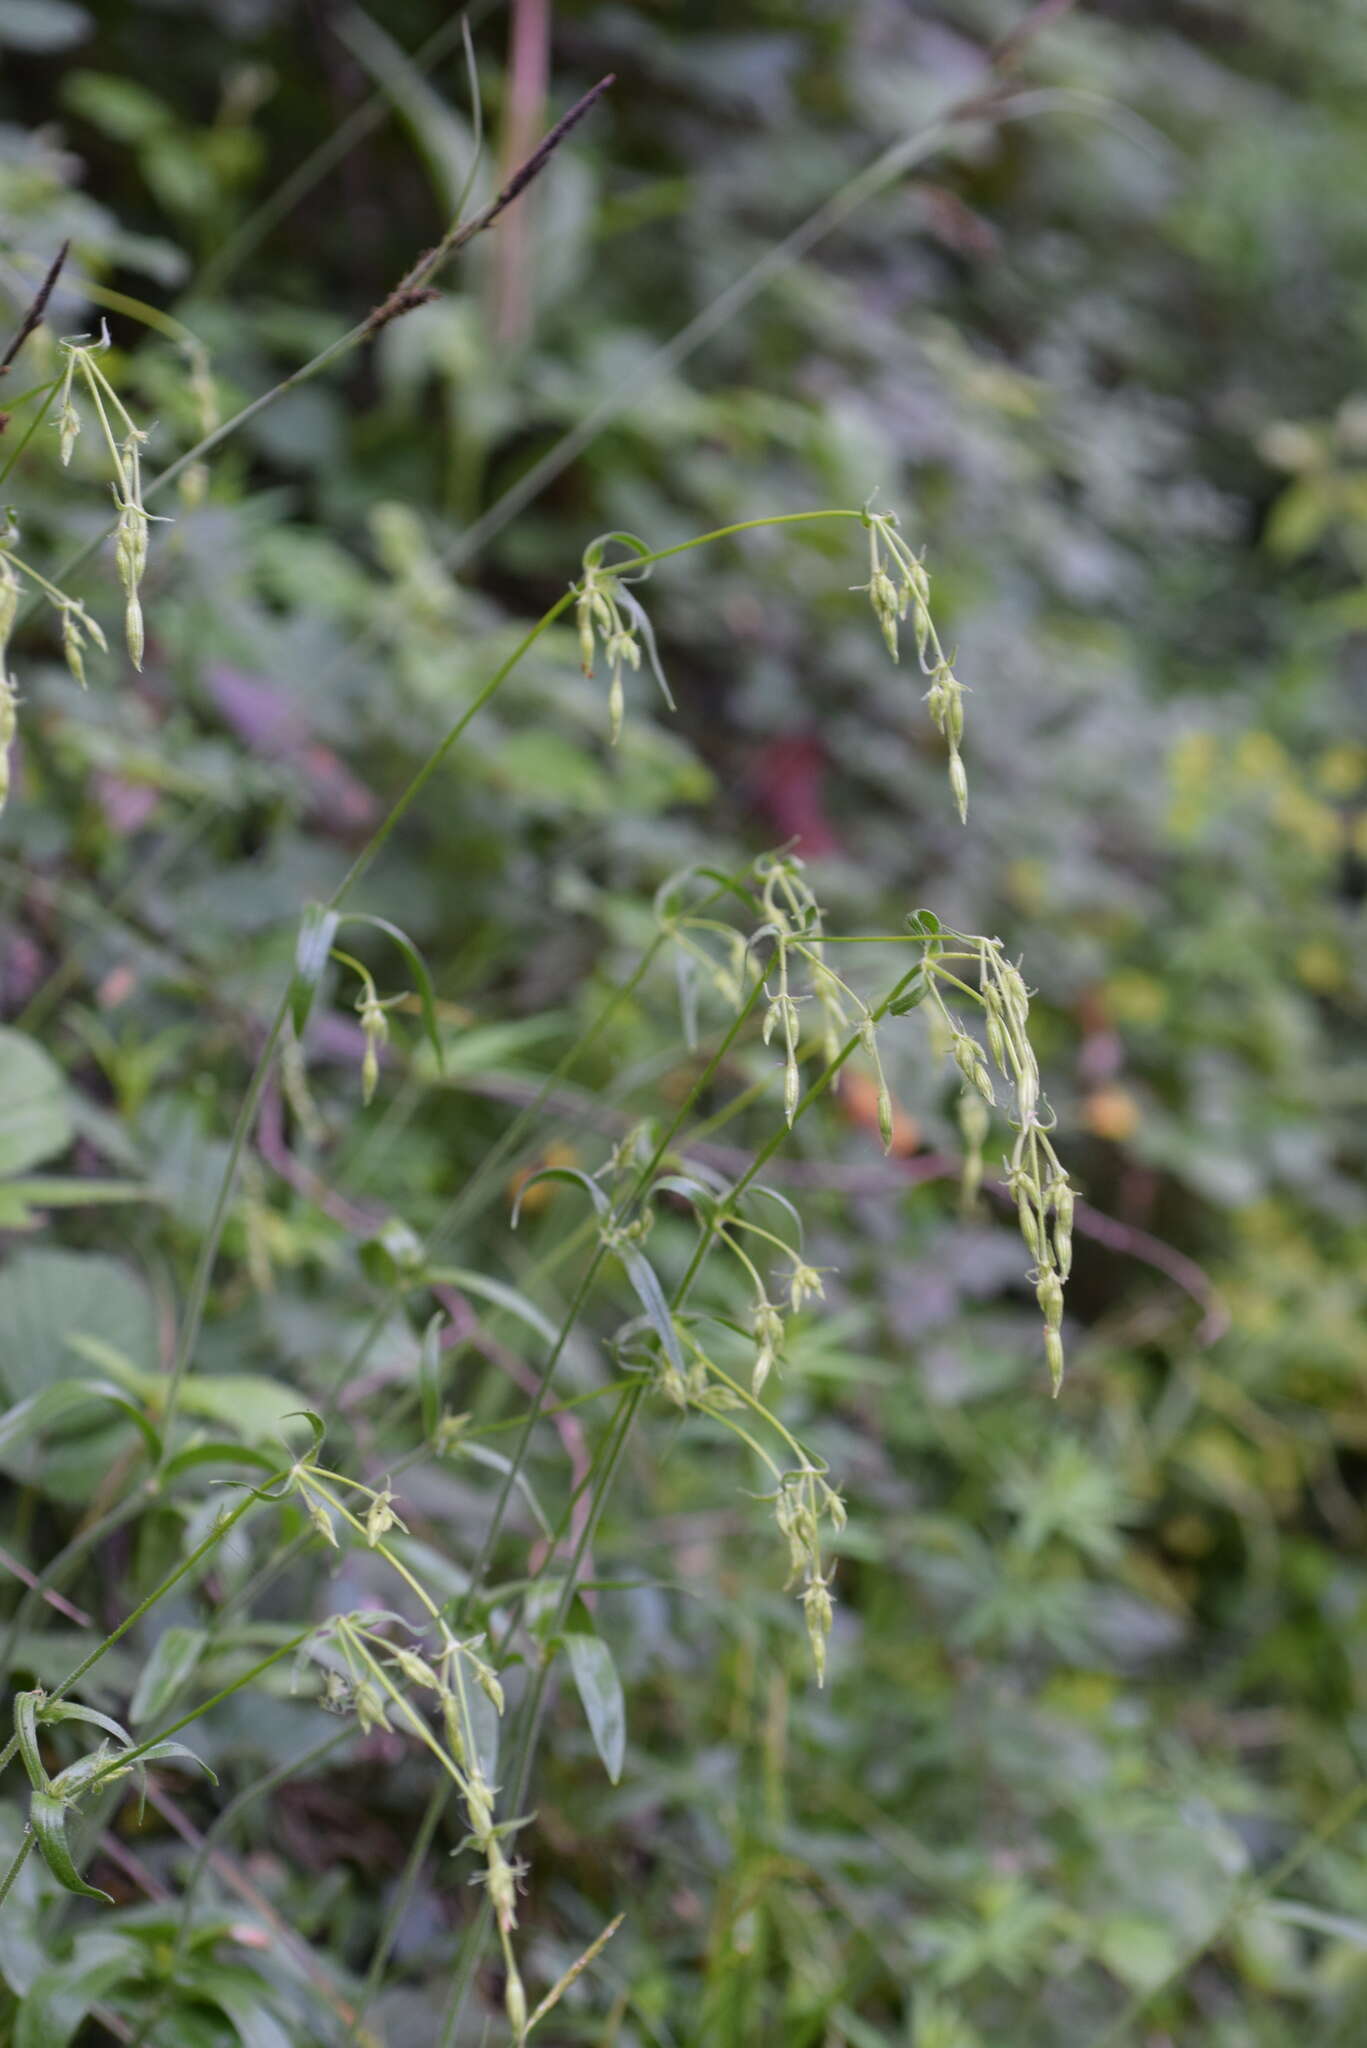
x: 767, y: 1326
x: 793, y: 922
x: 802, y: 1502
x: 898, y: 584
x: 379, y: 1674
x: 125, y: 452
x: 1038, y: 1184
x: 606, y: 611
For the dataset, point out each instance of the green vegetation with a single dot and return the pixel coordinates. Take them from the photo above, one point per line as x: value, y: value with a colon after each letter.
x: 614, y: 1431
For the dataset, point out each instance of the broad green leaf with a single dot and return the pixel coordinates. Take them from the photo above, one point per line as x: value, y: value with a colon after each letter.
x: 166, y: 1673
x: 28, y: 1418
x: 600, y: 1690
x: 49, y: 1296
x: 57, y: 2003
x: 35, y: 1116
x: 239, y: 1996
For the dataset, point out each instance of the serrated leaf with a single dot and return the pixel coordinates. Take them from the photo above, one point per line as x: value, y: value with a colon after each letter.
x: 166, y: 1673
x: 600, y: 1691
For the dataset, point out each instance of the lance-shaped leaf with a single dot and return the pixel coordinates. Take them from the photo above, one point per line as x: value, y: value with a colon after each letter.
x: 312, y: 948
x: 426, y: 998
x: 47, y: 1817
x: 51, y: 1711
x: 600, y: 1691
x: 166, y: 1673
x: 429, y: 1373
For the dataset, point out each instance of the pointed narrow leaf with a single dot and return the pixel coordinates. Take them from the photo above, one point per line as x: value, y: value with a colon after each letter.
x: 575, y: 1175
x: 650, y: 1294
x: 39, y: 1411
x: 600, y: 1690
x: 316, y: 932
x: 26, y: 1705
x: 429, y: 1373
x: 47, y: 1816
x: 426, y: 998
x: 166, y: 1673
x: 173, y: 1752
x: 500, y: 1294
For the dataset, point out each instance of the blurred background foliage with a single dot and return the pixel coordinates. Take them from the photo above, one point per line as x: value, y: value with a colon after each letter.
x: 1089, y: 1768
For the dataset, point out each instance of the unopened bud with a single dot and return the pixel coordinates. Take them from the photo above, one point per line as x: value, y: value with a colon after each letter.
x: 515, y: 2005
x: 1053, y: 1352
x: 1049, y: 1295
x: 958, y: 782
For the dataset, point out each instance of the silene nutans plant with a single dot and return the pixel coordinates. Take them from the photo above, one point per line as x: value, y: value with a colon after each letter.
x: 416, y: 1655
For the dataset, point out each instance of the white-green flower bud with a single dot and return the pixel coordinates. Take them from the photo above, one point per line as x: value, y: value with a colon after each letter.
x: 133, y: 631
x: 371, y: 1707
x: 515, y: 2004
x: 804, y: 1284
x: 971, y: 1064
x: 1053, y: 1352
x: 583, y: 613
x: 381, y: 1518
x: 8, y: 723
x: 68, y: 427
x: 1060, y: 1197
x: 1049, y: 1295
x: 958, y: 782
x: 9, y: 600
x: 322, y: 1521
x: 792, y: 1087
x: 817, y: 1606
x: 416, y: 1669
